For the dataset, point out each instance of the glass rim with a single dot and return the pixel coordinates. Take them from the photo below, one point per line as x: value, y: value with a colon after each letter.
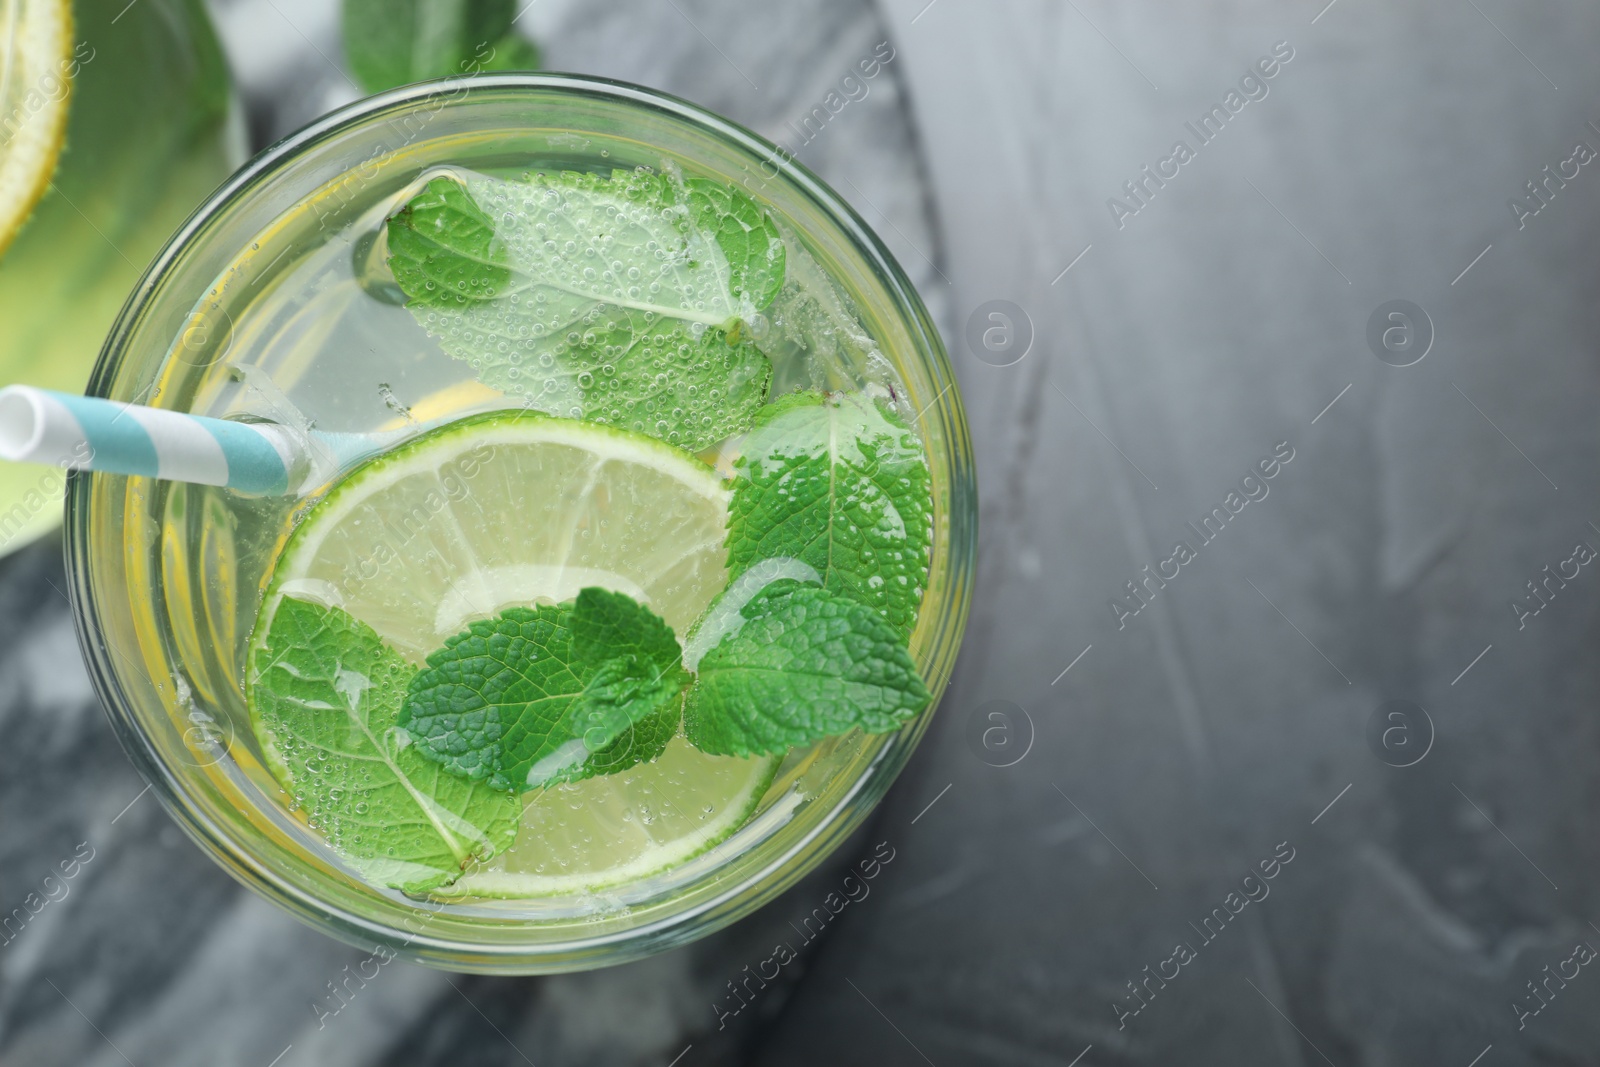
x: 741, y: 896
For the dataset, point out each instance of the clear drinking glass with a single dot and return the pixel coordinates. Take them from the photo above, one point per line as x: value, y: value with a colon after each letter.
x: 166, y: 578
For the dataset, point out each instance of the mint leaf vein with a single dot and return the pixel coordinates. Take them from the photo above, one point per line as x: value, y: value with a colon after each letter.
x: 550, y: 693
x: 808, y: 663
x: 617, y: 298
x: 325, y: 692
x: 840, y: 483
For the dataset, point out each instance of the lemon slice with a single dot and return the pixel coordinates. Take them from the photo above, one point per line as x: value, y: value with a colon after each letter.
x: 513, y: 508
x: 602, y: 832
x: 35, y: 55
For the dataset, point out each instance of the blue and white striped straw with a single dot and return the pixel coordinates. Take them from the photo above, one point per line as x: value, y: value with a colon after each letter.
x: 86, y: 433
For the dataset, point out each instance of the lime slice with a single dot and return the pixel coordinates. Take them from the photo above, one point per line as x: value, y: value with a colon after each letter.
x: 513, y: 508
x: 35, y: 57
x: 602, y: 832
x: 504, y: 509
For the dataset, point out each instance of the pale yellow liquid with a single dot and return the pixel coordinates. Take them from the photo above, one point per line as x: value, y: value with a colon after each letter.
x: 321, y: 338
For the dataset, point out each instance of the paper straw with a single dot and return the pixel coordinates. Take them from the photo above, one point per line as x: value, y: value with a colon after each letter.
x: 87, y: 433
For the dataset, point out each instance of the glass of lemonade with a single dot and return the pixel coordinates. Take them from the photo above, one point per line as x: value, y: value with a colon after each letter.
x: 115, y: 122
x: 655, y: 555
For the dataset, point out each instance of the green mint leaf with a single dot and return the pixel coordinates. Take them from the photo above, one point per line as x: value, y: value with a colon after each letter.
x: 388, y: 43
x: 513, y: 53
x: 442, y: 249
x: 651, y: 377
x: 551, y: 693
x: 324, y: 694
x: 806, y: 664
x: 618, y: 299
x: 747, y: 236
x: 840, y: 483
x: 641, y: 666
x: 644, y: 738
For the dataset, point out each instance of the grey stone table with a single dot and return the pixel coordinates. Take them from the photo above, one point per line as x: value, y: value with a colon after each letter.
x: 1316, y: 787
